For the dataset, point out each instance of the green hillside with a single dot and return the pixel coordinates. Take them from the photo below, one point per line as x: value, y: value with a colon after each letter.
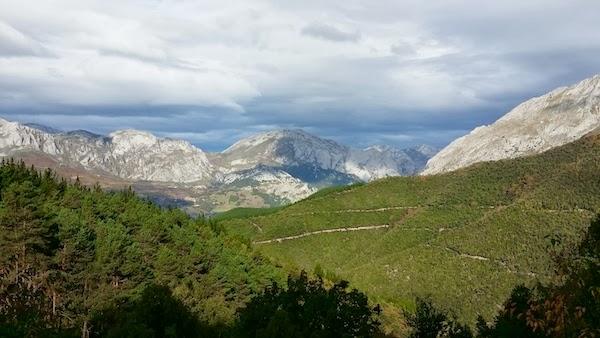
x: 465, y: 238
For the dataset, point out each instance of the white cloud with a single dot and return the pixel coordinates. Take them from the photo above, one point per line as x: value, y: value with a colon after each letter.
x: 15, y: 43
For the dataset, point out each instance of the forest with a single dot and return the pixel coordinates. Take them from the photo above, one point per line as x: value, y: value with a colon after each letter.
x: 77, y: 261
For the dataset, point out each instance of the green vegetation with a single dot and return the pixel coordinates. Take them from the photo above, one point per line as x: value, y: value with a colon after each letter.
x: 568, y: 307
x: 333, y: 190
x: 308, y: 309
x: 429, y: 322
x: 464, y: 238
x: 80, y: 262
x: 70, y: 255
x: 244, y: 213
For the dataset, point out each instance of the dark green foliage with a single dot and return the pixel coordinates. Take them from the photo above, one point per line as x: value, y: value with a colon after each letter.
x: 155, y: 314
x: 76, y: 261
x: 68, y: 251
x: 430, y: 322
x: 308, y: 309
x: 511, y: 321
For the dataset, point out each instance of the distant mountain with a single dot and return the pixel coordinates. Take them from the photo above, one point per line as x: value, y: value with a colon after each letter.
x: 266, y: 169
x: 128, y: 154
x: 559, y: 117
x: 317, y: 160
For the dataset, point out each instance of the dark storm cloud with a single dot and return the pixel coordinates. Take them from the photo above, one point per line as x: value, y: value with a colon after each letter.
x: 361, y: 72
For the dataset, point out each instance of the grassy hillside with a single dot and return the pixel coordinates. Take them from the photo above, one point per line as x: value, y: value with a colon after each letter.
x: 465, y: 238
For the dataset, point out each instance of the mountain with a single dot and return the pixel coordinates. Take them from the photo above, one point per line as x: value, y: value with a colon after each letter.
x: 316, y: 160
x: 465, y: 238
x: 127, y: 154
x: 559, y: 117
x: 263, y: 170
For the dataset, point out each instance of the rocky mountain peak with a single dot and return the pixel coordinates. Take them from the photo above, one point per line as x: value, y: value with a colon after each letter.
x: 541, y: 123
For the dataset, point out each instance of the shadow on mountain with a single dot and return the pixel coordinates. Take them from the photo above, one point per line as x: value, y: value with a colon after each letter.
x: 319, y: 177
x: 166, y: 201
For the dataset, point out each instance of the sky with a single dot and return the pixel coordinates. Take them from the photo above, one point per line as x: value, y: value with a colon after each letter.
x: 360, y: 72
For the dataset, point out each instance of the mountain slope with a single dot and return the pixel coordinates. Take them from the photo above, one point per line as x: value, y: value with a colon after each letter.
x: 465, y: 237
x: 72, y: 258
x: 559, y: 117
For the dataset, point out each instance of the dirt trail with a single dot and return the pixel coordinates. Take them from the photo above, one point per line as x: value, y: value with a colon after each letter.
x: 324, y: 231
x: 257, y: 226
x: 345, y: 211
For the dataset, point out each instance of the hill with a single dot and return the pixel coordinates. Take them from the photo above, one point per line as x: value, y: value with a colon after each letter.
x: 465, y: 237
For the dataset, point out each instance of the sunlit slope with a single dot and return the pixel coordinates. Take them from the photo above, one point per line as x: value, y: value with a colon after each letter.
x: 464, y: 237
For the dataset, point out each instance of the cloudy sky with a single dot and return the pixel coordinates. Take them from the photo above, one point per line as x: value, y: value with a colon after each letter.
x: 358, y: 71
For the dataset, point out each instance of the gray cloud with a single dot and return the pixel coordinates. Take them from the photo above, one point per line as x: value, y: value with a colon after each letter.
x: 328, y: 32
x: 15, y: 43
x: 414, y: 72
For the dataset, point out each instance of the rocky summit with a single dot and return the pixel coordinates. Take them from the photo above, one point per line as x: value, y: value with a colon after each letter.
x: 562, y: 116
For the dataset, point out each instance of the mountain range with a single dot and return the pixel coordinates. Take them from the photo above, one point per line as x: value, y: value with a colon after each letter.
x: 283, y: 166
x: 266, y: 169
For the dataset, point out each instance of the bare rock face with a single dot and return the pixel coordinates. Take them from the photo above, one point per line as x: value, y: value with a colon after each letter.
x: 305, y: 153
x: 284, y: 147
x: 127, y: 154
x: 559, y: 117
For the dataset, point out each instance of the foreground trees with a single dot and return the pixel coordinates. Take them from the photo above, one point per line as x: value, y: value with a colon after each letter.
x: 308, y: 309
x: 71, y: 255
